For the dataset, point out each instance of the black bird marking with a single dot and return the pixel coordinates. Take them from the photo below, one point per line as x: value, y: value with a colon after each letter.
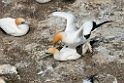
x: 3, y: 31
x: 98, y: 25
x: 92, y: 78
x: 87, y: 36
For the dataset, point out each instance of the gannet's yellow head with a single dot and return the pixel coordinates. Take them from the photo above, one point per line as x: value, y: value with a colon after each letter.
x: 52, y: 50
x: 58, y: 37
x: 19, y: 21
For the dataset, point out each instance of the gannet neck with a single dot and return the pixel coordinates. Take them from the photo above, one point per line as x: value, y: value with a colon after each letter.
x: 22, y: 26
x: 71, y: 19
x: 58, y: 36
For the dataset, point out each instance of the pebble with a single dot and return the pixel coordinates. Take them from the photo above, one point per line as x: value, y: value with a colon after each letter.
x: 8, y: 69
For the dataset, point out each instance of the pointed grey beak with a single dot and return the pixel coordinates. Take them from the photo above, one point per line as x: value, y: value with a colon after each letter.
x: 27, y: 22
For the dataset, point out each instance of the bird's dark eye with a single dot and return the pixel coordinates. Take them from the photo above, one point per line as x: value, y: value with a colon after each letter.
x: 47, y: 53
x: 23, y: 22
x: 87, y: 36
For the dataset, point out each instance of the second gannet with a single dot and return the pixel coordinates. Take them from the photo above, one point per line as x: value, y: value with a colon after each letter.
x: 64, y: 55
x: 15, y: 27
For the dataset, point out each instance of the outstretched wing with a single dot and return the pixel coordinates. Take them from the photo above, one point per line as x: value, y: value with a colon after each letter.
x: 71, y: 19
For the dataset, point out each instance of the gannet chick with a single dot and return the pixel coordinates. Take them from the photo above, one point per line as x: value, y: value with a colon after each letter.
x: 91, y: 79
x: 43, y: 1
x: 64, y: 55
x: 2, y: 81
x: 15, y: 27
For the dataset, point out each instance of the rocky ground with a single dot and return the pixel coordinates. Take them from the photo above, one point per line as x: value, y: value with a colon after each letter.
x: 25, y: 53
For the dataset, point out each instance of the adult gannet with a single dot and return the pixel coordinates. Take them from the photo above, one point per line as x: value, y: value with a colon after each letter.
x: 72, y: 36
x: 91, y: 79
x: 65, y: 54
x: 15, y: 27
x: 2, y: 81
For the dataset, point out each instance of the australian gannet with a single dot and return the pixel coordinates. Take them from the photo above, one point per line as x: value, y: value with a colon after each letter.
x: 65, y: 54
x: 15, y: 27
x: 72, y: 36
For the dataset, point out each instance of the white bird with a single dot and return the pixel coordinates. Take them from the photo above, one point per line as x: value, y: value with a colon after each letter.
x: 72, y: 36
x: 15, y: 27
x: 2, y: 81
x: 91, y: 79
x: 65, y: 54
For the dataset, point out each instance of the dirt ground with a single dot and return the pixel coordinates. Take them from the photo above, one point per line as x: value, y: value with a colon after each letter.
x: 25, y: 52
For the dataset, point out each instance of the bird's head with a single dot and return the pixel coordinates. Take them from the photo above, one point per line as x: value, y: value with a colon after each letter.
x: 58, y: 37
x: 19, y: 21
x: 51, y: 50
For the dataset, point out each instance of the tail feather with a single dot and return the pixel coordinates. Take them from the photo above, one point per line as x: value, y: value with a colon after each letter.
x: 98, y: 25
x: 103, y: 23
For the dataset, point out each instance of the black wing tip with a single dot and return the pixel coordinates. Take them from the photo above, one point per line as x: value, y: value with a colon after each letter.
x: 109, y: 21
x: 92, y: 78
